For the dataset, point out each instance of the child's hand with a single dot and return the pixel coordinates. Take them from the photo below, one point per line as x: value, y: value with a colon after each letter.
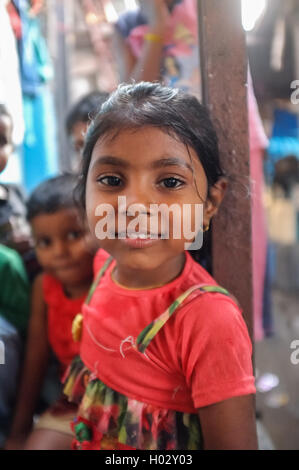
x: 157, y: 14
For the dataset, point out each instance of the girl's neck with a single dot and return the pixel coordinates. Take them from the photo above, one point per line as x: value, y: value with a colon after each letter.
x: 77, y: 291
x: 140, y: 279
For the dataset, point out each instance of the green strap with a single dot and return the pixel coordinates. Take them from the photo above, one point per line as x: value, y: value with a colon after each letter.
x: 97, y: 279
x: 150, y: 331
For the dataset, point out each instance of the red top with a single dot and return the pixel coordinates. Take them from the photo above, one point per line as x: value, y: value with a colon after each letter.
x: 201, y: 356
x: 61, y: 313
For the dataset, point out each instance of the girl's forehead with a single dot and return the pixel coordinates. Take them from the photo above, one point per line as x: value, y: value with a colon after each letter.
x: 144, y: 145
x: 58, y: 219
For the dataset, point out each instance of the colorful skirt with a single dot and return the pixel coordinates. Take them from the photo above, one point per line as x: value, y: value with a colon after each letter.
x: 108, y: 420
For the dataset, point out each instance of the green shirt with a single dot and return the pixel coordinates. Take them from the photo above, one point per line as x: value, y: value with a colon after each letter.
x: 14, y: 289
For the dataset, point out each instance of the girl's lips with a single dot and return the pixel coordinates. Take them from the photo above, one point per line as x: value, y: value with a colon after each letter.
x: 138, y: 242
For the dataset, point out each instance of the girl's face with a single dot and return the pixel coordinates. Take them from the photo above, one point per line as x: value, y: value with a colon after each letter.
x: 62, y: 249
x: 147, y: 166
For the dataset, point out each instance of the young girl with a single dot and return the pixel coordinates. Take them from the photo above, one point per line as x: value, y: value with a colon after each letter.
x: 159, y: 41
x: 57, y: 296
x: 165, y: 356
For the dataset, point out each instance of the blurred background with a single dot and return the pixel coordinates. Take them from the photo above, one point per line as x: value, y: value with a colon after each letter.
x: 54, y: 52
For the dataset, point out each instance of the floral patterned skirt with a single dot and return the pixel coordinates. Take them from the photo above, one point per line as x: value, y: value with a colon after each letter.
x: 108, y: 420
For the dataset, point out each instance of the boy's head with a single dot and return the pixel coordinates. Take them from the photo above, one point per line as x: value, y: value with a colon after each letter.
x: 81, y: 114
x: 60, y: 236
x: 6, y: 145
x: 52, y: 195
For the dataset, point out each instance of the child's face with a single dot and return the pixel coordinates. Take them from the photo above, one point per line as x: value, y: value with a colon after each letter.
x: 147, y: 167
x: 6, y: 146
x: 62, y: 248
x: 77, y: 135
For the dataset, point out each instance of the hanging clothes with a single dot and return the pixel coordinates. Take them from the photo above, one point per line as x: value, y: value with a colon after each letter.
x: 10, y: 86
x: 40, y: 159
x: 284, y: 140
x: 36, y: 68
x: 258, y: 144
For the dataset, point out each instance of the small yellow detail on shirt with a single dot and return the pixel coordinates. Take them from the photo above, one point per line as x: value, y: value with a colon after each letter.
x: 77, y: 327
x: 152, y: 37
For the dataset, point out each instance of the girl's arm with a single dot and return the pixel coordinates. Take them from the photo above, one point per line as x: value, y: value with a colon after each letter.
x: 215, y: 351
x: 35, y: 365
x: 230, y: 424
x: 147, y: 67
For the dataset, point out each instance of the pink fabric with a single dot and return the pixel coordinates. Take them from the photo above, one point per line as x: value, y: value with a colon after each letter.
x: 61, y: 313
x: 258, y: 143
x: 202, y: 355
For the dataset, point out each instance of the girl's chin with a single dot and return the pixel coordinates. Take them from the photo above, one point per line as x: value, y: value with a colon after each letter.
x: 142, y: 258
x: 139, y: 262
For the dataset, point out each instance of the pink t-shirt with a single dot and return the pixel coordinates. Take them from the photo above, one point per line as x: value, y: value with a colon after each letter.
x: 201, y: 356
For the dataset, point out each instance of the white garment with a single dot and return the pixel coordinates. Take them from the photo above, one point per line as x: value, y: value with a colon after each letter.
x: 10, y: 86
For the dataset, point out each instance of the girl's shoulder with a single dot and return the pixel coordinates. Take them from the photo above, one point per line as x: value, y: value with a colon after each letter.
x: 207, y: 304
x: 211, y: 308
x: 48, y: 282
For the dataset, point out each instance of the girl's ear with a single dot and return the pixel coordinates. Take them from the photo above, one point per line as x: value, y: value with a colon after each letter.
x: 216, y: 195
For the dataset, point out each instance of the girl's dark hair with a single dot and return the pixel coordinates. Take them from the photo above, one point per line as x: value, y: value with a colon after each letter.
x: 151, y: 104
x: 52, y: 195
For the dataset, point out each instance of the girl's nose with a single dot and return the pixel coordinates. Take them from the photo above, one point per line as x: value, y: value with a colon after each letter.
x: 59, y: 248
x: 138, y: 199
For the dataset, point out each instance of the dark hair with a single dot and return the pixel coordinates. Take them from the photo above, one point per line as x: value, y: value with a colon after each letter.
x: 85, y: 109
x: 151, y: 104
x: 52, y: 195
x: 4, y: 111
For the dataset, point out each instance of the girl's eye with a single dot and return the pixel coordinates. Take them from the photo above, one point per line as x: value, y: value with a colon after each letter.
x: 74, y: 235
x: 43, y: 243
x: 172, y: 183
x: 109, y: 180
